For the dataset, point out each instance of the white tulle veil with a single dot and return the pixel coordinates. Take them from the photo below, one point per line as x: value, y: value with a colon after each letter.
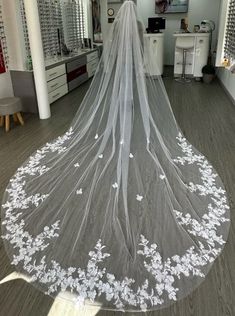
x: 121, y: 211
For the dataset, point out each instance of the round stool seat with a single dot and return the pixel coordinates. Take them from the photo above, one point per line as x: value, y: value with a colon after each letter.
x: 185, y: 42
x: 10, y: 106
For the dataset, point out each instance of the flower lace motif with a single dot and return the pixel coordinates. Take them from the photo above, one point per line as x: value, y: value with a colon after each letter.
x: 94, y: 281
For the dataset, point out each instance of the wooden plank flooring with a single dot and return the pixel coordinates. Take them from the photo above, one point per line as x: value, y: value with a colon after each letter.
x: 207, y: 117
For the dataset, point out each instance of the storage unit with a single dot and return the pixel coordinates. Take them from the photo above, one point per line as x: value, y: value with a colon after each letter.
x: 56, y: 82
x: 58, y: 93
x: 80, y: 70
x: 91, y: 67
x: 55, y: 72
x: 63, y: 75
x: 154, y: 52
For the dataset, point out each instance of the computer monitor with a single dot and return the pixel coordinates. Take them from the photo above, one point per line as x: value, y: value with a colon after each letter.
x: 156, y: 24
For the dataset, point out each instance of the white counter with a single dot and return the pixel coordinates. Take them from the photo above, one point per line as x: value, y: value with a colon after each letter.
x: 196, y: 56
x: 154, y: 52
x: 58, y: 60
x: 192, y: 34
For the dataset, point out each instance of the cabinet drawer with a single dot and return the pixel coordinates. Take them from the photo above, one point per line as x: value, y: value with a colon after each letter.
x: 58, y: 93
x: 76, y: 73
x: 56, y: 83
x: 55, y: 72
x: 92, y: 66
x: 81, y: 61
x: 92, y: 56
x: 77, y: 82
x: 91, y: 73
x: 94, y: 63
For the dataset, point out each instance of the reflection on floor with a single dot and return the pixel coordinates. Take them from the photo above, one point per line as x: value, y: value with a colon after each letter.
x: 15, y: 276
x: 61, y: 306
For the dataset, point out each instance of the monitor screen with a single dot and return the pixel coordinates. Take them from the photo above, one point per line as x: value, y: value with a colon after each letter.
x: 156, y: 24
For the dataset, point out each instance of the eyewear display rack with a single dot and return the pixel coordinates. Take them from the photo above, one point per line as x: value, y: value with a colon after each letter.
x: 51, y: 27
x: 73, y: 24
x: 62, y: 23
x: 25, y: 36
x: 229, y: 46
x: 68, y: 64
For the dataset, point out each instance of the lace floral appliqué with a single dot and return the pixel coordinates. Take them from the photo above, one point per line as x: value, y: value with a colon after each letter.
x: 94, y: 281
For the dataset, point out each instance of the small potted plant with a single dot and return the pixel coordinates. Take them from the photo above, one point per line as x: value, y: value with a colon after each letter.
x: 208, y: 73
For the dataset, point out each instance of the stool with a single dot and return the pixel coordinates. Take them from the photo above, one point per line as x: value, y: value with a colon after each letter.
x: 10, y: 106
x: 184, y: 43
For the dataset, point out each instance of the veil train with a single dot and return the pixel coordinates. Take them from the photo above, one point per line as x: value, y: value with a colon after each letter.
x: 121, y: 211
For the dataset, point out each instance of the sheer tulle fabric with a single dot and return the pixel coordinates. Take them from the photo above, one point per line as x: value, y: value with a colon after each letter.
x: 121, y: 211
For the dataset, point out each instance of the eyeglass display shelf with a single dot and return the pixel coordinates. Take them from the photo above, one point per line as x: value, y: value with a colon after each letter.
x: 63, y: 75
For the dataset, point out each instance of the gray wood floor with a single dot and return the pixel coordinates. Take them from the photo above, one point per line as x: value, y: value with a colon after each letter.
x: 207, y: 117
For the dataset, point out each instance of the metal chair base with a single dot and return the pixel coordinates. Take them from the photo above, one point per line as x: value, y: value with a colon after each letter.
x: 183, y: 80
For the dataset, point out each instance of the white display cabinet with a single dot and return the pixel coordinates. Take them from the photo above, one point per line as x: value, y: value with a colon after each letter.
x: 154, y: 53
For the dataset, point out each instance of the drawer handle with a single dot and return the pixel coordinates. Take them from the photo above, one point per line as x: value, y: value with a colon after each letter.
x: 53, y: 74
x: 54, y: 85
x: 56, y: 95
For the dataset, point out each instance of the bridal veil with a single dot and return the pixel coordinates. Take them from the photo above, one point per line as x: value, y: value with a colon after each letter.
x: 120, y: 211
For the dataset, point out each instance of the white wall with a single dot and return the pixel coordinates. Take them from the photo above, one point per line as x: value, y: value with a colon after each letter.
x: 146, y: 9
x: 104, y: 19
x: 88, y: 18
x: 5, y: 80
x: 198, y: 11
x: 205, y: 9
x: 228, y: 81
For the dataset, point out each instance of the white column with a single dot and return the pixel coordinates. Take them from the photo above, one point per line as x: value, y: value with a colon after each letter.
x: 35, y: 39
x: 104, y: 20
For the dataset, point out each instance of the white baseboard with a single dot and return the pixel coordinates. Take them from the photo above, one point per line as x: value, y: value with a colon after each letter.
x: 226, y: 91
